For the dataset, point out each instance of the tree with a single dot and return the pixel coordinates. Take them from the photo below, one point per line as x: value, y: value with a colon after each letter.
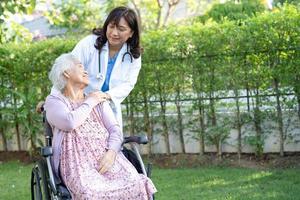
x: 80, y: 15
x: 10, y: 30
x: 281, y: 2
x: 234, y: 11
x: 84, y: 15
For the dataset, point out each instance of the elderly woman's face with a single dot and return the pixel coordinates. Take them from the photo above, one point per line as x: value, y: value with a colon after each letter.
x: 77, y: 75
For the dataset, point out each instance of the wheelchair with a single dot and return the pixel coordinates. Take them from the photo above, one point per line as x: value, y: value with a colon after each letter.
x: 45, y: 186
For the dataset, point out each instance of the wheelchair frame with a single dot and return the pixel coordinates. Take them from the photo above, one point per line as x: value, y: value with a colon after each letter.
x: 44, y: 185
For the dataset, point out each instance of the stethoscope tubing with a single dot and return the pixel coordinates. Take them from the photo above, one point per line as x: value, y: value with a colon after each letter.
x: 123, y: 58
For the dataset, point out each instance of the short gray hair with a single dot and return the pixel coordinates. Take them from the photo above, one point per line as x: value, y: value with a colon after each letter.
x: 61, y: 64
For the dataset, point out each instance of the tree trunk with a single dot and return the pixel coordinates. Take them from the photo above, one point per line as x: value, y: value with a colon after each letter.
x: 179, y: 120
x: 198, y: 85
x: 170, y: 9
x: 4, y: 142
x: 202, y: 125
x: 212, y: 98
x: 297, y: 93
x: 248, y: 97
x: 238, y: 124
x: 163, y: 114
x: 16, y: 121
x: 220, y: 149
x: 298, y: 100
x: 158, y: 19
x: 138, y: 12
x: 32, y: 136
x: 246, y: 80
x: 257, y: 123
x: 212, y: 109
x: 18, y: 133
x: 165, y: 126
x: 148, y: 126
x: 279, y: 117
x: 29, y: 117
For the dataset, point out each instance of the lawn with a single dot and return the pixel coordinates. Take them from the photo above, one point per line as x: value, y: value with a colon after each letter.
x: 184, y: 184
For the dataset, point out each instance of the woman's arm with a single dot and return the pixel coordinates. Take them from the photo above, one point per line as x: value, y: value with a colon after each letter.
x: 121, y: 91
x: 115, y: 137
x: 115, y: 133
x: 83, y: 49
x: 60, y: 116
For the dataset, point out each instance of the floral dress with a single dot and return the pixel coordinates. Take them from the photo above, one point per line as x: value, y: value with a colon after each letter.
x: 82, y: 151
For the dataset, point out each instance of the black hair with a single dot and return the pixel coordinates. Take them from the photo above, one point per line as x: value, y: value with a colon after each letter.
x: 114, y: 16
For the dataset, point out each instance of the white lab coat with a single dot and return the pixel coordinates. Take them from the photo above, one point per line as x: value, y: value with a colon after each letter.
x: 123, y: 77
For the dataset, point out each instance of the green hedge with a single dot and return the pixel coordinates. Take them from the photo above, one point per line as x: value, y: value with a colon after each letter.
x: 199, y: 63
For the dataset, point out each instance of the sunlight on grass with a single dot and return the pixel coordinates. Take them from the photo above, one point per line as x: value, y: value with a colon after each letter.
x: 259, y: 175
x: 215, y: 182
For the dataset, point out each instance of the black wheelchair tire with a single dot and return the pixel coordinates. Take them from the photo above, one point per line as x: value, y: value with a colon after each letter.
x: 39, y: 181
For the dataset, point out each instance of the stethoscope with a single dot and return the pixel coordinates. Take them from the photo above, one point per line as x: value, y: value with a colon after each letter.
x: 99, y: 75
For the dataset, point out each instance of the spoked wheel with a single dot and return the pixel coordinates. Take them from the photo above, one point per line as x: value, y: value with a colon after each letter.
x: 39, y: 181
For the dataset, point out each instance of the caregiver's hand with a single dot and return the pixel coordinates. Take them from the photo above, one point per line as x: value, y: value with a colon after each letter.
x: 107, y: 161
x: 99, y: 96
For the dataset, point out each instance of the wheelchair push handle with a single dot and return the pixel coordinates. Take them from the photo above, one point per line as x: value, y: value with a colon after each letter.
x: 136, y: 139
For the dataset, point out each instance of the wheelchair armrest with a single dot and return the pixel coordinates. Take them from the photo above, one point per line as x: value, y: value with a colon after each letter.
x: 46, y: 151
x: 136, y: 139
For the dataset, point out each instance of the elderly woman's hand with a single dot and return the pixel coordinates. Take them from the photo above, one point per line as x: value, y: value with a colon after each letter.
x: 99, y: 96
x: 107, y: 161
x: 39, y: 107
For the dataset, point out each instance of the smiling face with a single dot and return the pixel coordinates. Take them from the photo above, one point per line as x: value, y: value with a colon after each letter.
x: 76, y: 75
x: 118, y: 34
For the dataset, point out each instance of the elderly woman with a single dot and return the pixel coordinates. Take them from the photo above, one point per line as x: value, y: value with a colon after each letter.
x: 87, y: 139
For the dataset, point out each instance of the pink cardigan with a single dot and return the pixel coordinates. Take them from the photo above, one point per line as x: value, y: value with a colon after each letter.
x: 63, y: 118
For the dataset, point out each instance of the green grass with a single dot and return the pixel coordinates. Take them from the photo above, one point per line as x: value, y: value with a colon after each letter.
x: 227, y: 183
x: 185, y: 184
x: 15, y: 181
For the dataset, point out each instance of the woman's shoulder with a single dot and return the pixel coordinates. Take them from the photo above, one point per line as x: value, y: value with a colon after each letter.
x: 55, y: 97
x: 103, y: 106
x: 88, y: 40
x: 137, y: 61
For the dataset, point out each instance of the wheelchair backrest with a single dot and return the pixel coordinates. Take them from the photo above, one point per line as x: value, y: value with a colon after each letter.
x: 47, y: 127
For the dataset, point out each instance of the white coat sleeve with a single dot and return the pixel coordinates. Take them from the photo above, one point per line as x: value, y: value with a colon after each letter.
x: 121, y: 91
x: 82, y: 50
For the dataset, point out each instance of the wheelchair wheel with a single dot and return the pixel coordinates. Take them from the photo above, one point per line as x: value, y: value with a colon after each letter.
x: 130, y: 155
x: 39, y: 181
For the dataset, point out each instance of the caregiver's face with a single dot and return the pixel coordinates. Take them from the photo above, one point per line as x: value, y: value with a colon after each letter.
x: 118, y: 34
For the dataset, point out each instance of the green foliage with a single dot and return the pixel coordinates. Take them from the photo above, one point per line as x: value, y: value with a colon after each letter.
x: 233, y: 10
x: 87, y: 14
x: 217, y: 134
x: 76, y: 14
x: 16, y: 6
x: 281, y: 2
x: 24, y: 69
x: 256, y: 143
x: 197, y: 64
x: 12, y: 31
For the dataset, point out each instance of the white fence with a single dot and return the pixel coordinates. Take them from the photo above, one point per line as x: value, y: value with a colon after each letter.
x: 192, y: 145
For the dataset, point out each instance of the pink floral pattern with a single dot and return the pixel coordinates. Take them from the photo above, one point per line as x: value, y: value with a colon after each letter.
x: 82, y: 150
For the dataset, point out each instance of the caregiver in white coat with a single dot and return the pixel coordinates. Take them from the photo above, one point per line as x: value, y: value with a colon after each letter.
x: 112, y: 57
